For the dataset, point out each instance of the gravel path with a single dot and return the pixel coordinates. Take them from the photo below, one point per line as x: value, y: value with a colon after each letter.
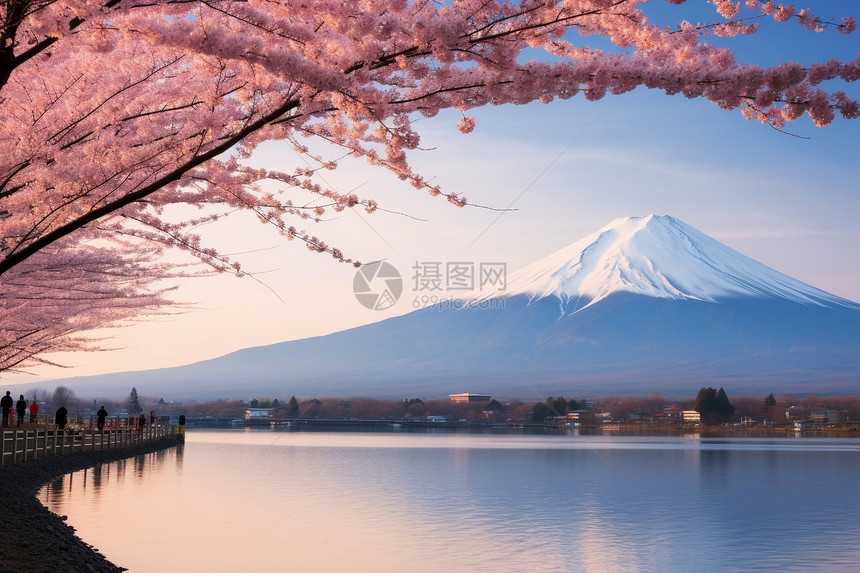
x: 34, y: 540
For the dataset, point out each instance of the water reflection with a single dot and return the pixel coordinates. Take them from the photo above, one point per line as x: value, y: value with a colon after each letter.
x: 85, y: 486
x: 428, y: 502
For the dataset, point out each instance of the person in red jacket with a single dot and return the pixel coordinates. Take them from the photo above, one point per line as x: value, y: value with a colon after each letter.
x: 34, y: 409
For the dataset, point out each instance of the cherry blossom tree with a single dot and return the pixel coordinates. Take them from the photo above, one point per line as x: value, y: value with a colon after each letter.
x: 55, y: 295
x: 134, y: 120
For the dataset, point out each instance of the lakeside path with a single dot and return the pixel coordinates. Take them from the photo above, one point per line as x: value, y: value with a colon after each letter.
x: 35, y: 540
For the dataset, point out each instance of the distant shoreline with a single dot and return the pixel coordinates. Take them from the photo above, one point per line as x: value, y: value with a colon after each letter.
x: 850, y: 430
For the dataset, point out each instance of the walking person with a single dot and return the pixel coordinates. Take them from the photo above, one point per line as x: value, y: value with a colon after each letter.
x: 61, y: 417
x: 100, y: 420
x: 34, y: 409
x: 21, y: 409
x: 6, y: 405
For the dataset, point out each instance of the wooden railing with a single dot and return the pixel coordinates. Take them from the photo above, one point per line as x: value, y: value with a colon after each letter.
x: 19, y: 445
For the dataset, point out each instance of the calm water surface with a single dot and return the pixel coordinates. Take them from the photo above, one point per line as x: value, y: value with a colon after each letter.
x: 286, y: 501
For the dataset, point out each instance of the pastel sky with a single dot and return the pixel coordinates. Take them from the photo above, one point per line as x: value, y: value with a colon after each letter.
x: 568, y: 168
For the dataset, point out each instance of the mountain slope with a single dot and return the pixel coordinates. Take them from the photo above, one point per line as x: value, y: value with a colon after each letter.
x: 645, y: 304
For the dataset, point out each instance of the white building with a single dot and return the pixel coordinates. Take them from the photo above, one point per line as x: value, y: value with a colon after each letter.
x: 258, y: 413
x: 691, y: 416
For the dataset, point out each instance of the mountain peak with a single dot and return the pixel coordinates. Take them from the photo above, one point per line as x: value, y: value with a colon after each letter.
x: 657, y: 256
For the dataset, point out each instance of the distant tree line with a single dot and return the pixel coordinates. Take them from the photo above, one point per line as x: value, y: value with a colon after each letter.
x: 554, y: 407
x: 713, y: 405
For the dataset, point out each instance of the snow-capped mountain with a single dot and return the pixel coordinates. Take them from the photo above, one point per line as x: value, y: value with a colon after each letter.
x: 646, y: 304
x: 655, y: 256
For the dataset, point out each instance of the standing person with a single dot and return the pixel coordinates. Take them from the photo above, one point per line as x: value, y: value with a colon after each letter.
x: 6, y: 404
x: 100, y: 421
x: 152, y: 418
x: 21, y: 409
x: 141, y: 421
x: 61, y: 418
x: 34, y: 409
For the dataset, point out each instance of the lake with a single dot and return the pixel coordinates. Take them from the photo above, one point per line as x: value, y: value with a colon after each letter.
x: 237, y: 500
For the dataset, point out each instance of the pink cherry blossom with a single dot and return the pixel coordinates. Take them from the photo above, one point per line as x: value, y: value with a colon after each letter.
x: 466, y: 125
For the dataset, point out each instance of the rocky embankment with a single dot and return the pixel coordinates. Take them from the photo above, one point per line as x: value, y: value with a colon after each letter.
x: 34, y: 540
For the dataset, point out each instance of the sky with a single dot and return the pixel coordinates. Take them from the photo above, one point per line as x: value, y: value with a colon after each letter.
x: 557, y: 172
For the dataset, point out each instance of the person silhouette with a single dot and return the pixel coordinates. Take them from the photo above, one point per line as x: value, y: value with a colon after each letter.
x: 6, y: 405
x: 61, y: 417
x: 21, y: 409
x: 100, y: 418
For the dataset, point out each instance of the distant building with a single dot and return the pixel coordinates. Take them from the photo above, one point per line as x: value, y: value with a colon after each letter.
x: 794, y: 413
x: 825, y: 416
x: 258, y: 413
x: 671, y: 413
x: 467, y: 397
x: 691, y: 416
